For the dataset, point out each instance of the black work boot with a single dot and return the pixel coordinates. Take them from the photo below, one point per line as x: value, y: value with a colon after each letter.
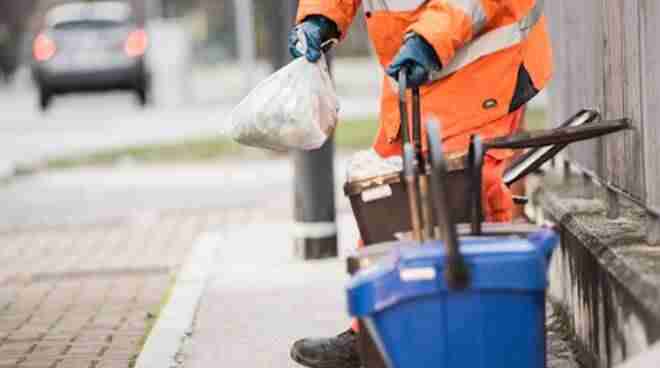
x: 334, y: 352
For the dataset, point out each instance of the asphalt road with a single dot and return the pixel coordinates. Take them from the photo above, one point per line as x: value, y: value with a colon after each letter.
x: 79, y: 123
x: 84, y: 123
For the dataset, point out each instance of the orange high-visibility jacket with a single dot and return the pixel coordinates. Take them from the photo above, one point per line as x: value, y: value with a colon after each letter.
x: 496, y: 56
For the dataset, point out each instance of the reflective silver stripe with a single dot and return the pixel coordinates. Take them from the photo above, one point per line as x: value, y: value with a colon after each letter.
x: 314, y: 230
x: 392, y: 5
x: 475, y: 10
x: 492, y: 42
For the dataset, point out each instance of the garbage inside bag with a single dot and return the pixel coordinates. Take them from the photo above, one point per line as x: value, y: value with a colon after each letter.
x: 368, y: 164
x: 295, y: 108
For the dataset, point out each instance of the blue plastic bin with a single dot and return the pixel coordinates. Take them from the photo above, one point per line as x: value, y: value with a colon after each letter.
x: 497, y: 322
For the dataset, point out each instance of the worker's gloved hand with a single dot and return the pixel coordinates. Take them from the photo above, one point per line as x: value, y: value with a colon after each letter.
x: 316, y: 30
x: 420, y: 59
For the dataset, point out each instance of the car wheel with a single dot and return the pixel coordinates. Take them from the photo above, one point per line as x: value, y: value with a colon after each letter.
x: 45, y: 99
x: 143, y: 96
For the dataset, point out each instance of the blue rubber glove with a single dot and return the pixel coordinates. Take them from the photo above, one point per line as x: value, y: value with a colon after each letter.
x: 419, y: 57
x: 316, y: 29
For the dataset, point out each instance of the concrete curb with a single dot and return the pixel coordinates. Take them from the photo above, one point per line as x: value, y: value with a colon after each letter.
x: 175, y: 320
x: 7, y: 170
x: 10, y: 170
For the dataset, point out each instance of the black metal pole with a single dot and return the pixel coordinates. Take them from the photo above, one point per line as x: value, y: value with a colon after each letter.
x: 280, y: 19
x: 314, y: 192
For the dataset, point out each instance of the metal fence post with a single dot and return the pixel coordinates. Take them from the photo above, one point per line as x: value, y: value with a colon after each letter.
x: 653, y: 228
x: 588, y: 183
x: 566, y: 171
x: 613, y: 205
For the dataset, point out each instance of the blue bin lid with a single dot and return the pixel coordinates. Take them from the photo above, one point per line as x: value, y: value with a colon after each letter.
x: 497, y: 263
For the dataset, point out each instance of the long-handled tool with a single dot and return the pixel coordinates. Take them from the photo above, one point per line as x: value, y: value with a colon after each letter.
x: 415, y: 175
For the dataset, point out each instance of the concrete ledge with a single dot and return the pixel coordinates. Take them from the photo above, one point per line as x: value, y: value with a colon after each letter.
x: 604, y: 276
x: 650, y: 358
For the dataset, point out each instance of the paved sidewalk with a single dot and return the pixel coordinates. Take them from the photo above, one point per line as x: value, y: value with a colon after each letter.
x: 261, y: 299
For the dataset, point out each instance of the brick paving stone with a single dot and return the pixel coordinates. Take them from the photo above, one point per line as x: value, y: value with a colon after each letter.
x: 114, y: 363
x: 93, y: 339
x: 139, y: 322
x: 14, y: 357
x: 10, y: 325
x: 116, y: 309
x: 58, y: 338
x: 8, y: 362
x: 49, y: 349
x: 86, y: 348
x: 106, y: 322
x: 30, y: 330
x: 127, y: 341
x: 131, y: 330
x: 138, y: 314
x: 15, y: 348
x: 12, y: 322
x: 76, y: 363
x: 27, y: 336
x: 76, y: 320
x: 121, y: 356
x: 119, y: 352
x: 38, y: 325
x: 58, y: 332
x: 92, y: 332
x: 38, y: 363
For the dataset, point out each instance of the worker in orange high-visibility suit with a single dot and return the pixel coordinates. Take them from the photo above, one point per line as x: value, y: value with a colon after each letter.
x: 478, y: 63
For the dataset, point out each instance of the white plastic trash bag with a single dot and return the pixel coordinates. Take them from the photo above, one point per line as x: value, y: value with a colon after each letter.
x: 295, y: 108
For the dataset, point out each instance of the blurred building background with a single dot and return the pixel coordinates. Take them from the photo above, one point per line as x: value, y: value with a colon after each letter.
x: 14, y: 19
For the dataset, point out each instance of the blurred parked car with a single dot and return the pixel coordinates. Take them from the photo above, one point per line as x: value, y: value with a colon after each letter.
x: 90, y: 46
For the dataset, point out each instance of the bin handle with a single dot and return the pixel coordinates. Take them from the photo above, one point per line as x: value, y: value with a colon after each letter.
x: 457, y: 274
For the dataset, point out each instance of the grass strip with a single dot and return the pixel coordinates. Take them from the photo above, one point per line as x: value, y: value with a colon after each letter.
x: 351, y: 135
